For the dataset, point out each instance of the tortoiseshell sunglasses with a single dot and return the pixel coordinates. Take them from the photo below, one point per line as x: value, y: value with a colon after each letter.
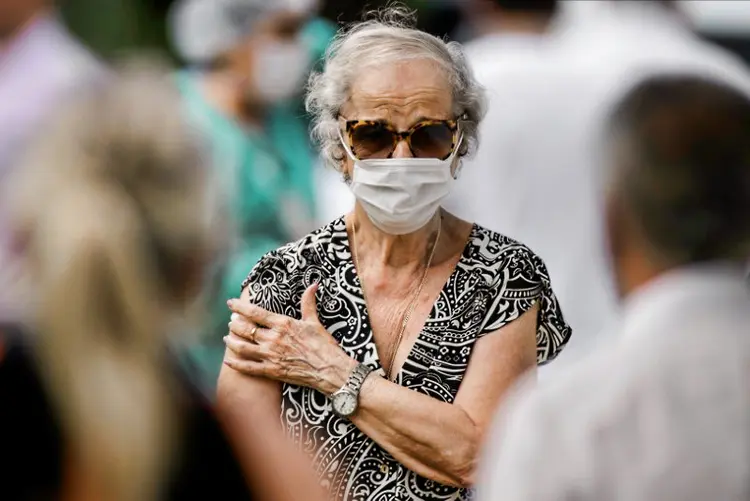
x: 375, y: 139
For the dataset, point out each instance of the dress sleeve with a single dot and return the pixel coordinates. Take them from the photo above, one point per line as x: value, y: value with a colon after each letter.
x: 271, y: 286
x: 521, y: 282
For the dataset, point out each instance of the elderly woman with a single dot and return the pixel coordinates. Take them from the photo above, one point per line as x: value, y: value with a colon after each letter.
x: 386, y: 339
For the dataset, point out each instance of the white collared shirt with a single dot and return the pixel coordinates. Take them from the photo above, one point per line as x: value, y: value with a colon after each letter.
x: 662, y: 414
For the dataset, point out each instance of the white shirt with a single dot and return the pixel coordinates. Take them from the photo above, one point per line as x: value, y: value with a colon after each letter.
x: 663, y: 415
x: 513, y: 68
x: 536, y: 176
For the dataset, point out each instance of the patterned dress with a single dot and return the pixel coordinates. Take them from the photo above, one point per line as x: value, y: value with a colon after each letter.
x: 495, y: 281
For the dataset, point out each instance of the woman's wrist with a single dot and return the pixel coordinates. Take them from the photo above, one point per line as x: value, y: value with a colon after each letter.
x: 337, y: 375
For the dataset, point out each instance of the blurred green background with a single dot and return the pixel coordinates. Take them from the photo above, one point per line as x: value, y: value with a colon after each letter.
x: 111, y: 26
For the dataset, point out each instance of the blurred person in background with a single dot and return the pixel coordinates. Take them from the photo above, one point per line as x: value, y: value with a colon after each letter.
x: 41, y: 65
x: 384, y: 340
x: 115, y: 254
x: 249, y: 61
x: 507, y: 32
x: 94, y: 406
x: 510, y: 58
x: 547, y: 156
x: 662, y: 414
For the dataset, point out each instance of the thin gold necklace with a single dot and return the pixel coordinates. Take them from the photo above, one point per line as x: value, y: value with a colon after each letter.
x: 412, y: 304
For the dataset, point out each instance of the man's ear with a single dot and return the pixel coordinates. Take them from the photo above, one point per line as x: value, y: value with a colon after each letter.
x: 612, y: 216
x: 615, y: 233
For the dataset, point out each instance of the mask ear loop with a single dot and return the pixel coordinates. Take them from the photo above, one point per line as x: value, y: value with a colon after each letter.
x: 454, y: 155
x: 346, y: 146
x: 347, y: 178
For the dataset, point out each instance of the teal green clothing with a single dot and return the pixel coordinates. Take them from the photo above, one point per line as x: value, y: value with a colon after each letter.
x: 267, y: 181
x: 318, y: 34
x: 258, y: 172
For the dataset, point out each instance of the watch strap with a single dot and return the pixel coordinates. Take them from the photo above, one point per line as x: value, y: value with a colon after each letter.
x: 357, y: 379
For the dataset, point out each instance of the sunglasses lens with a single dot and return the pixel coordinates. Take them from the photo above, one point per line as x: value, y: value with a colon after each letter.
x: 433, y: 141
x: 371, y: 141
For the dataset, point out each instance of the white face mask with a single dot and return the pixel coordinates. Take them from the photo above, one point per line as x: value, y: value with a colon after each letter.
x: 401, y: 195
x: 279, y: 70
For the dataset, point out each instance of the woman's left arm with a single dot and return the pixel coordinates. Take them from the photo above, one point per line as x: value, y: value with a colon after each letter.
x: 442, y: 441
x: 437, y: 440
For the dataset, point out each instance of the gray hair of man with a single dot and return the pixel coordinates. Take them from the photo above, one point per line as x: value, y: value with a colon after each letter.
x: 388, y: 36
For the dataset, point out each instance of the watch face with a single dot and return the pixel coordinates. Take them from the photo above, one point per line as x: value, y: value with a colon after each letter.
x: 344, y: 404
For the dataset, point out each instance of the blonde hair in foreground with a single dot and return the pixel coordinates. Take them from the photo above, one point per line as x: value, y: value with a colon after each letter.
x: 113, y: 207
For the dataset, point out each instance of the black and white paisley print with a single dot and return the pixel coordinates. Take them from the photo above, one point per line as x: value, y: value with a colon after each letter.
x: 496, y: 281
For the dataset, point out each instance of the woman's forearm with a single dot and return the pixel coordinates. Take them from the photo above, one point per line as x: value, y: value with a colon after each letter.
x: 435, y: 439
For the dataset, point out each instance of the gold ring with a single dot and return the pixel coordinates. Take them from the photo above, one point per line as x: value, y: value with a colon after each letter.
x: 252, y: 333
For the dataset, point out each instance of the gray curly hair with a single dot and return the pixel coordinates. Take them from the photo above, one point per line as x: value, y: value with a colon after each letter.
x: 387, y: 35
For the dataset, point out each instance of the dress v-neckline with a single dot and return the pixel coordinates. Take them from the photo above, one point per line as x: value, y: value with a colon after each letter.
x: 349, y: 262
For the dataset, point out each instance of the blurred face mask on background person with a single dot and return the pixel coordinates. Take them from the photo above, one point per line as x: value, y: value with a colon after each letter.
x: 279, y: 70
x: 401, y: 195
x: 264, y: 33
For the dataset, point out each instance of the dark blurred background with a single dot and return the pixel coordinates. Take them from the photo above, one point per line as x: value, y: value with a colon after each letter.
x: 111, y: 26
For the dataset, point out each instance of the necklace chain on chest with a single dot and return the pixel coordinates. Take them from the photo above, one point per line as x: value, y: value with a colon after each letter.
x: 412, y: 304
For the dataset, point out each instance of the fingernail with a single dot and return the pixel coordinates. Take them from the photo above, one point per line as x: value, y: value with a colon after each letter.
x: 230, y: 302
x: 234, y: 317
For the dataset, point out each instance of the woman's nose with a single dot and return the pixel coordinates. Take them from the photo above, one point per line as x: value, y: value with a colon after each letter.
x: 402, y: 150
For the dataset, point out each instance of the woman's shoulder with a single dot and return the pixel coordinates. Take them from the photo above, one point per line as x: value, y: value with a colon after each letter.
x: 517, y: 279
x: 327, y: 242
x: 496, y: 254
x: 485, y: 237
x: 277, y: 282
